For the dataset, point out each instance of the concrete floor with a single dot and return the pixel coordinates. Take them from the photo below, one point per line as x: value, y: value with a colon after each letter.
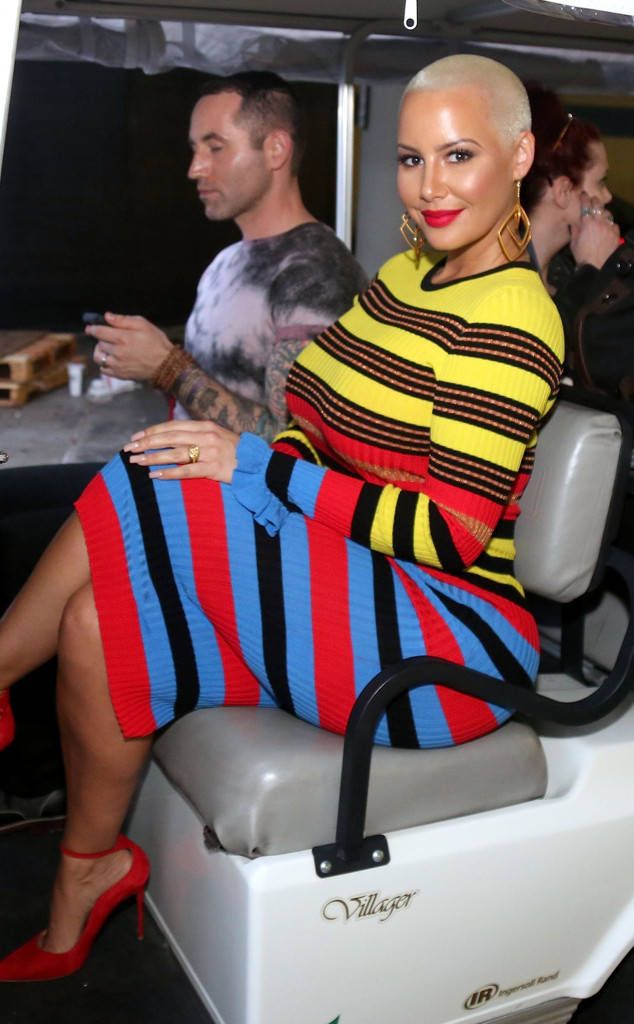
x: 123, y: 982
x: 57, y: 428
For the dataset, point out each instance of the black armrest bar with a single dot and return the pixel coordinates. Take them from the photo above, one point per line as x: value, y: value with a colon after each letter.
x: 411, y: 673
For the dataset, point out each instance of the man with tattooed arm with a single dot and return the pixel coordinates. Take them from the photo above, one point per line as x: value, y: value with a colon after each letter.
x: 261, y: 299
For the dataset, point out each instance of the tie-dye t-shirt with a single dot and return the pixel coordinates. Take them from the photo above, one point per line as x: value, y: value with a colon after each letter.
x: 256, y: 293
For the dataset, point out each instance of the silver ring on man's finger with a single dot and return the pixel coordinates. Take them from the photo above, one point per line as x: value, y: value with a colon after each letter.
x: 104, y: 359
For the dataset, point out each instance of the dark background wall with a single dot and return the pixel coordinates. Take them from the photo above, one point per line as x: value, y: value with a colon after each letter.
x: 96, y: 210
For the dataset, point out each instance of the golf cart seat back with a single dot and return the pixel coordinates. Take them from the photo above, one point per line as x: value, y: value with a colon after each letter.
x: 262, y: 782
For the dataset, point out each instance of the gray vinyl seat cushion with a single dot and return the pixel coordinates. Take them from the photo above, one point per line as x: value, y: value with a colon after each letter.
x: 264, y: 782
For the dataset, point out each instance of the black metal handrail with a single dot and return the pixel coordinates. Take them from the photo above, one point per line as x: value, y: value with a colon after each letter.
x: 423, y: 670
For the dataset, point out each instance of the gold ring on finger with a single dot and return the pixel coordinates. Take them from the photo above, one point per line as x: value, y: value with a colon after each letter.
x: 193, y: 453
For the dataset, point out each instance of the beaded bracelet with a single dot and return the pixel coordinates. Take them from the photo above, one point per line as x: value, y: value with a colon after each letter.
x: 171, y: 368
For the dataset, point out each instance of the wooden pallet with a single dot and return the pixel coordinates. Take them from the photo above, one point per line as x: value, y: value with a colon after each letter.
x: 16, y: 393
x: 11, y: 341
x: 30, y: 360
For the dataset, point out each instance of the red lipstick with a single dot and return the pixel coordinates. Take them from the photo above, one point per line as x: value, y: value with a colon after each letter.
x: 439, y: 218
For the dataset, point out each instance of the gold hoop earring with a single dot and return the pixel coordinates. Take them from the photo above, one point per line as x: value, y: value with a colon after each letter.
x: 413, y: 236
x: 518, y: 226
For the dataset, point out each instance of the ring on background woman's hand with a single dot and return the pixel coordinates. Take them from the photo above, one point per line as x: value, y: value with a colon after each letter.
x: 609, y: 219
x: 193, y: 452
x: 586, y: 211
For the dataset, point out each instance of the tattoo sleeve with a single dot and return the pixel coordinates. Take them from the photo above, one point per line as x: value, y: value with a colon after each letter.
x: 206, y: 399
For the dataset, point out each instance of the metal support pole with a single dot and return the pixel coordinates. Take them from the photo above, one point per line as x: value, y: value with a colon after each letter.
x: 345, y: 128
x: 345, y: 162
x: 9, y: 22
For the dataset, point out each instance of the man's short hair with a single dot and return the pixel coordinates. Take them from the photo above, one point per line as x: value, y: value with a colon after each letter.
x: 268, y: 103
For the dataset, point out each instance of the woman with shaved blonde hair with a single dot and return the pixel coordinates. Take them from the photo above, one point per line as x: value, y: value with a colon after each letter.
x: 203, y: 568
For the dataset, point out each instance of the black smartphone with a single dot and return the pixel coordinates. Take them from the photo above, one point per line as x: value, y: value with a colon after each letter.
x: 94, y: 318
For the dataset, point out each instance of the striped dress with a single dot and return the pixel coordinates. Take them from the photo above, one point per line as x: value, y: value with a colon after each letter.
x: 378, y: 526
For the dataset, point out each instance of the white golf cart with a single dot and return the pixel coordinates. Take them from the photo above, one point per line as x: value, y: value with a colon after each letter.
x: 486, y: 883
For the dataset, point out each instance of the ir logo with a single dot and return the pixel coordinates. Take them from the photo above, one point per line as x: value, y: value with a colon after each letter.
x: 481, y: 996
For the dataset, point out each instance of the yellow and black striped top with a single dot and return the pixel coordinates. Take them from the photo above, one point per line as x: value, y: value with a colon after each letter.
x: 421, y: 405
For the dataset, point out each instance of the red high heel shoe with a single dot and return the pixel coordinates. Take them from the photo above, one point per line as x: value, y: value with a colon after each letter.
x: 32, y: 963
x: 7, y: 723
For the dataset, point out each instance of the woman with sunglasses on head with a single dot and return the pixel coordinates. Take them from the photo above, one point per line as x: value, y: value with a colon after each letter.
x: 566, y: 197
x: 588, y: 268
x: 203, y: 568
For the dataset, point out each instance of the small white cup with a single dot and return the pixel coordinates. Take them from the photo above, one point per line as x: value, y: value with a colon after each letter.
x: 75, y: 377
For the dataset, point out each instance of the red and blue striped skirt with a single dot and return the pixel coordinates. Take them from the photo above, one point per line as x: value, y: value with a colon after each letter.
x: 199, y: 606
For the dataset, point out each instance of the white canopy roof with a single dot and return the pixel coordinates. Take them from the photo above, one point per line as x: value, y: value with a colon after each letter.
x: 314, y: 39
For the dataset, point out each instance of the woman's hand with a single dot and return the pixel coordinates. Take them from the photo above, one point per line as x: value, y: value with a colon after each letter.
x: 200, y: 449
x: 596, y: 236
